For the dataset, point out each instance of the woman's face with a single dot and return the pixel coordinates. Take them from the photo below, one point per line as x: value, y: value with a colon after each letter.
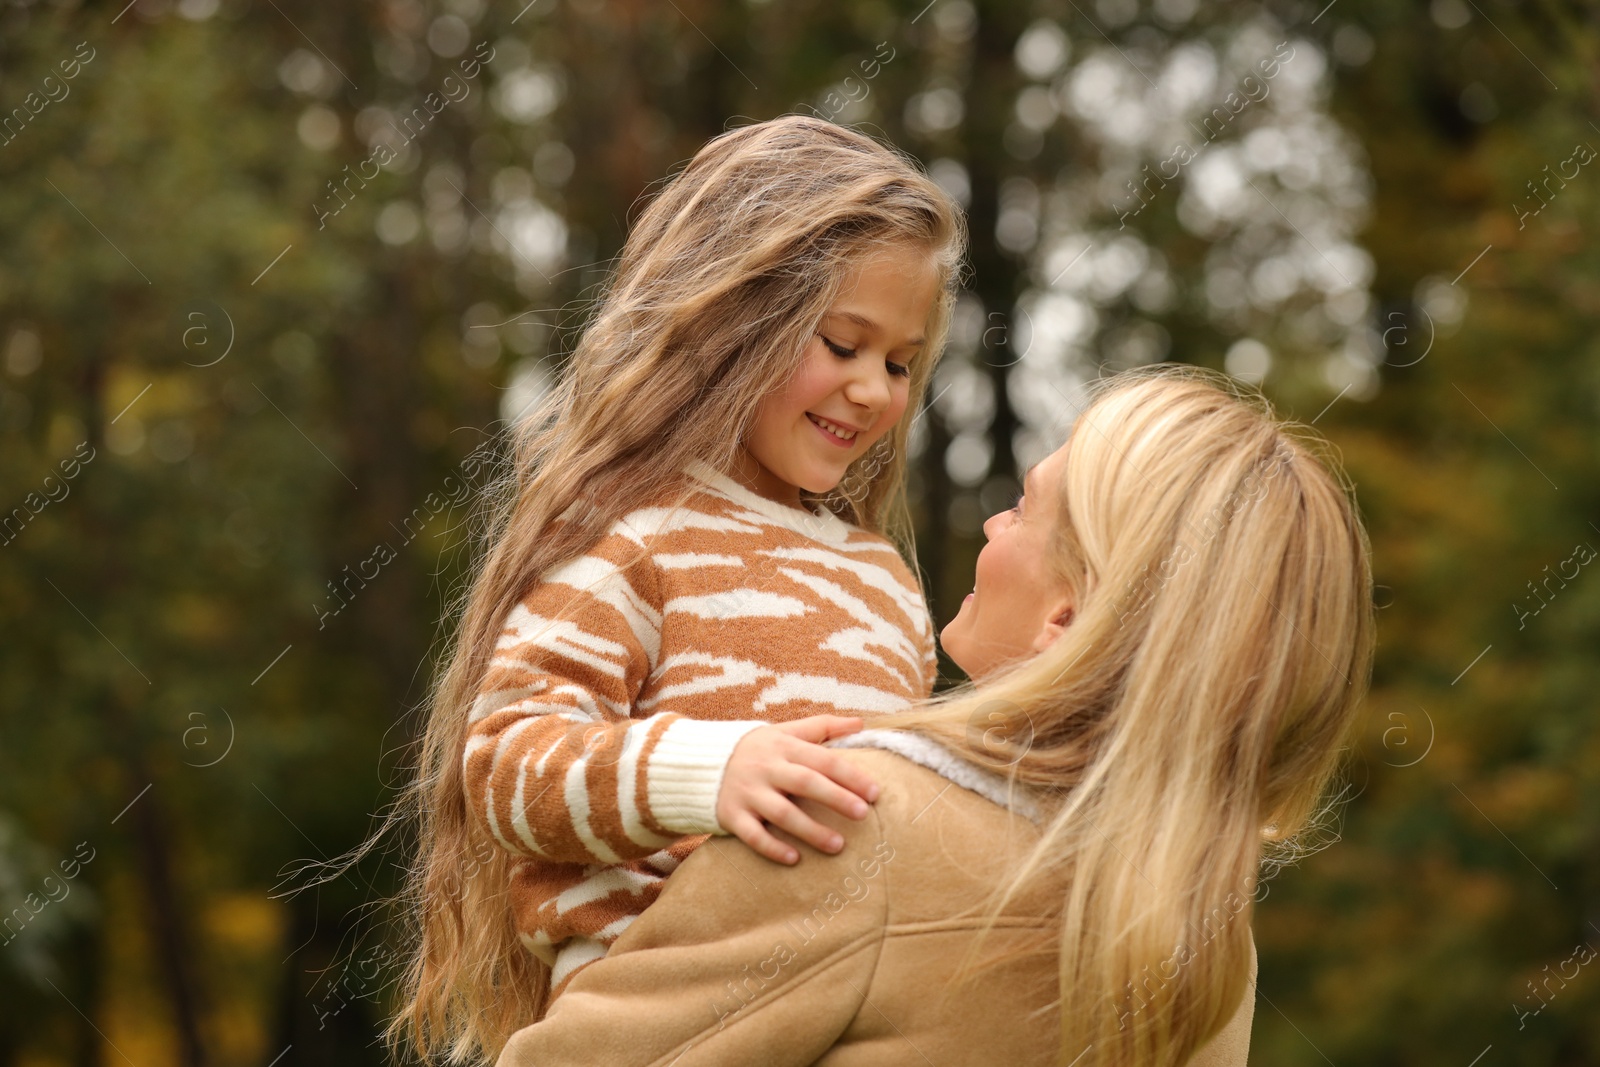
x: 853, y: 381
x: 1017, y: 606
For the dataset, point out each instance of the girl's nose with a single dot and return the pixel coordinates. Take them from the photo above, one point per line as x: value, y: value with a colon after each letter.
x: 869, y: 388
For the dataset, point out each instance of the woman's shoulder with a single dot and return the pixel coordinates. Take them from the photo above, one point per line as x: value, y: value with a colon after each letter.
x: 920, y: 763
x: 934, y: 846
x: 960, y: 822
x: 941, y: 846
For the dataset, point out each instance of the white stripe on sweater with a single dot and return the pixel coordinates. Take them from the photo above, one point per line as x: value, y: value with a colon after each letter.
x: 576, y: 791
x: 613, y: 930
x: 553, y: 743
x: 639, y: 525
x: 882, y: 579
x: 725, y: 672
x: 489, y: 703
x: 562, y: 637
x: 741, y: 603
x: 601, y: 885
x: 574, y: 954
x: 731, y: 672
x: 820, y: 525
x: 670, y: 561
x: 846, y: 697
x: 519, y: 808
x: 606, y: 582
x: 628, y: 786
x: 875, y: 629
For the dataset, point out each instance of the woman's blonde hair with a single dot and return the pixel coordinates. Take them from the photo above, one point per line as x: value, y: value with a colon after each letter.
x: 1185, y: 725
x: 720, y: 286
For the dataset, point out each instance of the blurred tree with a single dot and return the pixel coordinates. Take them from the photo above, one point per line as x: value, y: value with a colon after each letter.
x: 243, y: 363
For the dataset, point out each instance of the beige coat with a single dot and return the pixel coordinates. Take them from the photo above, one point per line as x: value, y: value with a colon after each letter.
x: 841, y: 960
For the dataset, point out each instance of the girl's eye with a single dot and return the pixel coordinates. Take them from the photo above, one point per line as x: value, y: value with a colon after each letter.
x: 899, y: 370
x: 838, y: 350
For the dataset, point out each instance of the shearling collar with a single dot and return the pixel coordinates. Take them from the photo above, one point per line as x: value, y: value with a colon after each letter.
x: 928, y: 753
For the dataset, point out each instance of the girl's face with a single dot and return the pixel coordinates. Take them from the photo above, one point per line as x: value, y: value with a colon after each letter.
x: 1017, y: 607
x: 852, y: 383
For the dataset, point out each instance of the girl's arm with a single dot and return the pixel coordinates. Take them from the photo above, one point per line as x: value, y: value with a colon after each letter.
x: 555, y: 766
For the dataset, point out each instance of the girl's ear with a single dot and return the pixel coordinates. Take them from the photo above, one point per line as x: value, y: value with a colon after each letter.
x: 1055, y: 624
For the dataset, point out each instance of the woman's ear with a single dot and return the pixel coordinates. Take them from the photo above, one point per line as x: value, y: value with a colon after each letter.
x: 1059, y: 618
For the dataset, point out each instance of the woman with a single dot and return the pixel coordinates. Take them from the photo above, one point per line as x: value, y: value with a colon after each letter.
x: 1169, y: 637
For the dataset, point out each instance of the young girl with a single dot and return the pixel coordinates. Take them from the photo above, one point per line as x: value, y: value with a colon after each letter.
x: 695, y: 548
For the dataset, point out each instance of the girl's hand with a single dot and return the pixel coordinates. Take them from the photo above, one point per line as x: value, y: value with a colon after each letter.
x: 771, y: 764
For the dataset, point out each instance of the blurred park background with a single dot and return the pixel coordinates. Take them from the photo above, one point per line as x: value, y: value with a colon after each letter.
x: 274, y: 276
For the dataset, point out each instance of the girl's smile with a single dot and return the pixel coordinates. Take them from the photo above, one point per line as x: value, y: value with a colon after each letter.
x: 837, y: 433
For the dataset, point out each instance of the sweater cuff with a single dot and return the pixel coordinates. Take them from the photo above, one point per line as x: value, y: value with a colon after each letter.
x: 684, y: 772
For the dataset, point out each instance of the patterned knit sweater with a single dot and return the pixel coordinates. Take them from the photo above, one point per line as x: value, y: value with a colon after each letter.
x: 622, y: 681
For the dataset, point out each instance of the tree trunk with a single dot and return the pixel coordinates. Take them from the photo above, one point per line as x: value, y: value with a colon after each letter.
x: 165, y: 915
x: 994, y: 271
x: 147, y: 819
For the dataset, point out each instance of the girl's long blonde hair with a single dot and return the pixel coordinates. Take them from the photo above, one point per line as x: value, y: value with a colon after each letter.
x: 1187, y: 721
x: 721, y: 284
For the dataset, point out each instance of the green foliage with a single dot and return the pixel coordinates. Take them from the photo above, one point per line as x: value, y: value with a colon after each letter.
x: 200, y: 680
